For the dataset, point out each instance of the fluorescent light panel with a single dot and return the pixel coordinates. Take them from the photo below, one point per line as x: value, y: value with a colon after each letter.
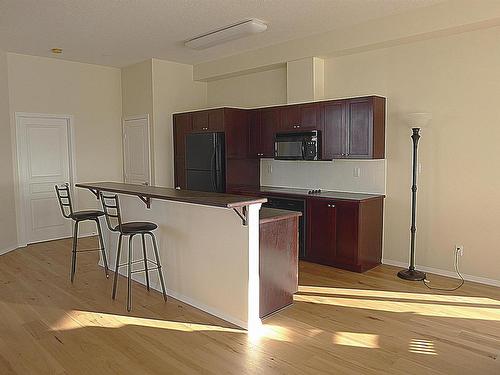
x: 226, y: 34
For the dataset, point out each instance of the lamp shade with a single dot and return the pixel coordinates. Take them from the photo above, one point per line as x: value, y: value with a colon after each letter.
x: 419, y: 120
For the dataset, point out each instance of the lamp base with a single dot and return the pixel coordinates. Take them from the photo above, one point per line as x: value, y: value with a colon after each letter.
x: 412, y: 275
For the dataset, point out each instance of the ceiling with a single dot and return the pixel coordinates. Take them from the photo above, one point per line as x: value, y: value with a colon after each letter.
x: 122, y: 32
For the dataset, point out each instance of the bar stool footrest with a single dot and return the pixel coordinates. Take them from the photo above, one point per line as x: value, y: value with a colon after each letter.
x: 139, y: 261
x: 87, y: 250
x: 144, y: 270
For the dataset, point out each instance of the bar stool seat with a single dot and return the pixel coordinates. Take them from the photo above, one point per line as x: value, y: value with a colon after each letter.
x: 86, y: 215
x: 136, y: 227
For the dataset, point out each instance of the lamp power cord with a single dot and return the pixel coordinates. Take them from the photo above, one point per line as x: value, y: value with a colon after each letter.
x: 457, y: 270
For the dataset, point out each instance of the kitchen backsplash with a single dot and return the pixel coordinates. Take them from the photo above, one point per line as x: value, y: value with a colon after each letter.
x: 361, y: 176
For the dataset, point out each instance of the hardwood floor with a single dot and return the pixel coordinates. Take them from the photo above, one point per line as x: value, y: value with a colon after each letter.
x: 340, y: 323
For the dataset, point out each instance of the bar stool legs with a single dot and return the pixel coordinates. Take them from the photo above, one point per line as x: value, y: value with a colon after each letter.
x: 73, y: 253
x: 117, y: 264
x: 130, y: 262
x: 145, y: 259
x: 129, y: 284
x: 155, y: 247
x: 103, y: 251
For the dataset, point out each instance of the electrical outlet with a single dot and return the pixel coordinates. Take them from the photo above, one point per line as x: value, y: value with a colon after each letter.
x: 270, y: 169
x: 356, y: 172
x: 459, y: 249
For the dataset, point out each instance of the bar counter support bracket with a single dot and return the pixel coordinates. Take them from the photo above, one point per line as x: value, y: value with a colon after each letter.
x: 242, y: 212
x: 146, y: 200
x: 95, y: 192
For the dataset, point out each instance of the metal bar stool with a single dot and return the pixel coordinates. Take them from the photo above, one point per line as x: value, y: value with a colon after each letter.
x: 111, y: 207
x: 64, y: 198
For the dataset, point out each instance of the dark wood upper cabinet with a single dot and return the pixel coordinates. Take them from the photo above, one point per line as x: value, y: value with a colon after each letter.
x: 354, y: 128
x: 200, y: 120
x: 254, y: 146
x: 210, y: 120
x: 289, y: 118
x: 182, y: 126
x: 301, y: 117
x: 262, y: 128
x: 236, y: 129
x: 269, y: 120
x: 334, y: 133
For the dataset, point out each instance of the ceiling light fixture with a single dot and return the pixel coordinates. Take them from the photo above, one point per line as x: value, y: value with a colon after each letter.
x: 225, y: 34
x: 56, y: 50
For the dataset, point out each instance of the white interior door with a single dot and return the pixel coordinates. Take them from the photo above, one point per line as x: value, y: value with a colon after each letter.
x: 136, y: 150
x: 44, y: 161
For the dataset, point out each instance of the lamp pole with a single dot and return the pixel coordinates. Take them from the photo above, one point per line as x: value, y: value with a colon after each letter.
x: 411, y: 273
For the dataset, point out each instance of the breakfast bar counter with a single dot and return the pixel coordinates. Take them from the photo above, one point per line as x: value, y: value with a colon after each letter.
x: 209, y: 248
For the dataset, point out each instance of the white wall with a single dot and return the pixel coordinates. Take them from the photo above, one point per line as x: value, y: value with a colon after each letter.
x: 92, y: 94
x: 249, y: 90
x: 457, y: 79
x: 173, y: 91
x: 8, y: 232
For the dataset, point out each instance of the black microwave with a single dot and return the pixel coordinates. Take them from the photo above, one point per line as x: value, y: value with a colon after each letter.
x: 297, y: 146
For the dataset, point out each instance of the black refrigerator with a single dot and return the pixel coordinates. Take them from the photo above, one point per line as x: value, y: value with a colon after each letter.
x: 205, y: 162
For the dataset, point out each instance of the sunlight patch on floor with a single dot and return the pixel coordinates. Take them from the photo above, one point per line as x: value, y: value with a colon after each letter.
x: 404, y: 306
x: 420, y: 346
x: 359, y: 340
x: 75, y: 319
x: 268, y: 331
x: 397, y: 295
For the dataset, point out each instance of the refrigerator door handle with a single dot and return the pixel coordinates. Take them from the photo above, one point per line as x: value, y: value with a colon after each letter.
x: 213, y: 174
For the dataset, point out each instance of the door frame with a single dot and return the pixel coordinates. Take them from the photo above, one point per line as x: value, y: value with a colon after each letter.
x: 20, y: 138
x: 150, y: 156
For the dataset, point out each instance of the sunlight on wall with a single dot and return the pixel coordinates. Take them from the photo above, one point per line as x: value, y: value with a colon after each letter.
x: 360, y: 340
x: 411, y: 303
x: 419, y: 346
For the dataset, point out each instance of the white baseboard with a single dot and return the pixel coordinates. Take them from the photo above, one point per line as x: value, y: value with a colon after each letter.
x: 8, y: 249
x: 190, y: 301
x: 437, y: 271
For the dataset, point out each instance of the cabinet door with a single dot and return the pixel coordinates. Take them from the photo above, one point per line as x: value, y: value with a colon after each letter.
x: 310, y: 117
x: 360, y: 128
x: 290, y: 118
x: 269, y: 120
x: 180, y: 173
x: 347, y: 232
x: 216, y: 120
x: 334, y: 134
x: 182, y: 126
x: 321, y: 230
x: 236, y: 130
x: 200, y: 121
x: 254, y: 146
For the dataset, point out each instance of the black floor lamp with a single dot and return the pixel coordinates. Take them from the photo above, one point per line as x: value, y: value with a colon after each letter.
x: 416, y: 121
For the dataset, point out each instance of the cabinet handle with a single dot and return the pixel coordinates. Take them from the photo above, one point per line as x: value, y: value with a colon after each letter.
x: 331, y: 205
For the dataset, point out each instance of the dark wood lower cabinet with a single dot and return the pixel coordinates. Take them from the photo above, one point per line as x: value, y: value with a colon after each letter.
x: 321, y: 230
x: 345, y: 234
x: 278, y: 262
